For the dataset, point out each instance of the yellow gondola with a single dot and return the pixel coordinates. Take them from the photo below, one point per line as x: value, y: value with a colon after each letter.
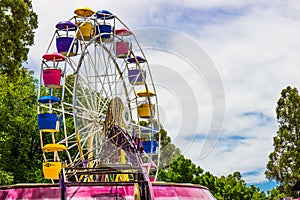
x: 145, y: 93
x: 84, y: 11
x: 54, y: 147
x: 51, y: 169
x: 144, y: 110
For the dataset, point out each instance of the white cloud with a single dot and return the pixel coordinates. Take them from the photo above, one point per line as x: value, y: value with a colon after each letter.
x: 256, y: 54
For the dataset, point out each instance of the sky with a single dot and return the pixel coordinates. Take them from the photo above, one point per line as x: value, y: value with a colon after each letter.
x: 219, y: 67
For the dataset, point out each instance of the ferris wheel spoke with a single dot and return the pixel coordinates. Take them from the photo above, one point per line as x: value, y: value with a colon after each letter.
x: 92, y: 63
x: 84, y: 98
x: 83, y: 112
x: 100, y: 68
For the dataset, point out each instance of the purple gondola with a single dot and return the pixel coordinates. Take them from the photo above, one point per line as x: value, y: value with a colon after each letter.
x: 66, y: 44
x: 136, y: 75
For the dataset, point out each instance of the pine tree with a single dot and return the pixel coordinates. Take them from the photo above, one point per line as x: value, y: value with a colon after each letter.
x: 284, y: 161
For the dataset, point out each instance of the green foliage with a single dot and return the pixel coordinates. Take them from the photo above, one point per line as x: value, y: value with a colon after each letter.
x: 183, y: 170
x: 274, y: 193
x: 19, y: 139
x: 144, y: 123
x: 284, y: 161
x: 234, y: 187
x: 168, y: 154
x: 6, y: 178
x: 18, y: 22
x: 164, y: 138
x: 168, y: 151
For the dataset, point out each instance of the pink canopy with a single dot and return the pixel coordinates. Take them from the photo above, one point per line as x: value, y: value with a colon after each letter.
x: 162, y: 191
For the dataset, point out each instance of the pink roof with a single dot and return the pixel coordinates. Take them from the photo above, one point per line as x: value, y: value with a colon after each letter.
x: 55, y: 56
x: 162, y: 191
x: 123, y: 31
x: 168, y: 191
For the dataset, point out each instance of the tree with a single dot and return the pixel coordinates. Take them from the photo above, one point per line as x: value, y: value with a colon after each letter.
x: 284, y: 162
x: 5, y: 178
x: 274, y: 193
x: 20, y: 152
x: 181, y: 170
x: 19, y: 141
x: 230, y: 187
x: 18, y: 22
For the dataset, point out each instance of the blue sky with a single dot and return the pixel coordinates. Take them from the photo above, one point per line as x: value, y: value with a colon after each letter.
x: 253, y: 47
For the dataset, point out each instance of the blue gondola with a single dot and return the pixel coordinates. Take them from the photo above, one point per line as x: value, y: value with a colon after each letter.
x: 49, y: 122
x: 49, y: 99
x: 147, y: 146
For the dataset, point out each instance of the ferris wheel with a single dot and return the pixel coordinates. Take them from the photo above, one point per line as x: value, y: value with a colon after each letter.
x: 97, y: 111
